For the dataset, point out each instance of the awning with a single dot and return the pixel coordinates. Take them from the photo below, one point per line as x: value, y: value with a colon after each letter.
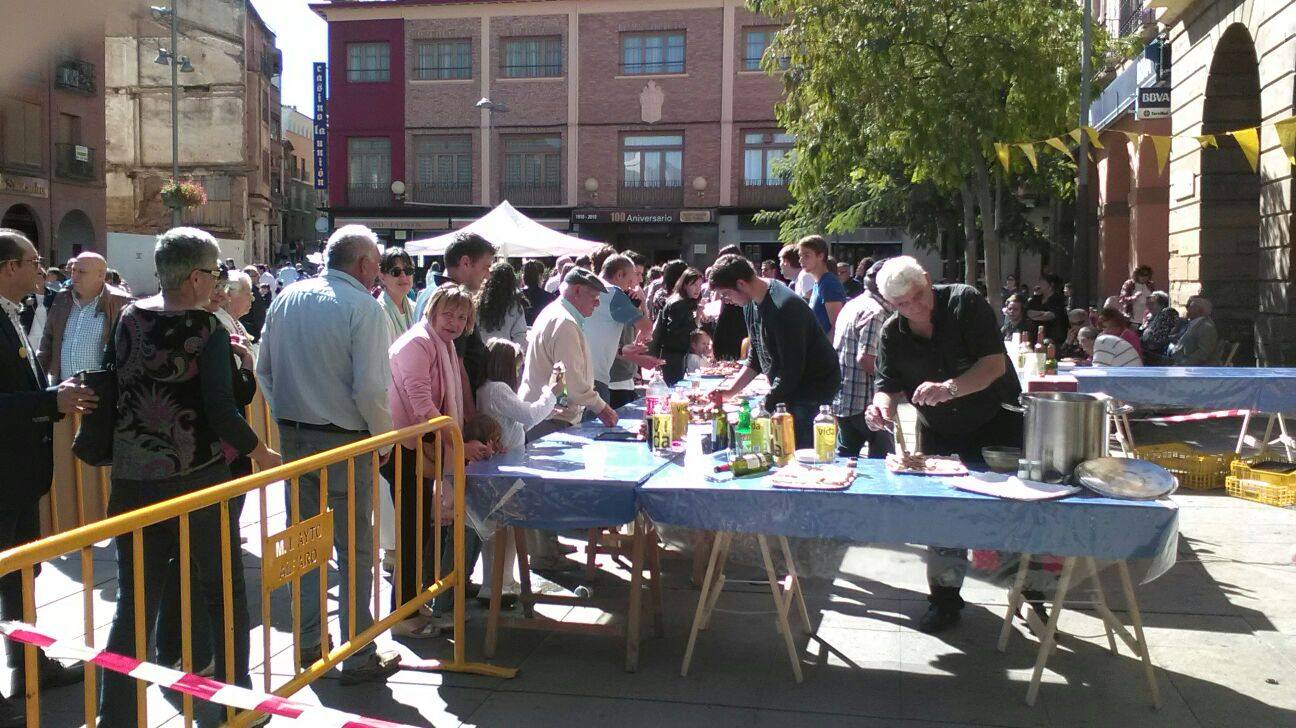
x: 513, y: 234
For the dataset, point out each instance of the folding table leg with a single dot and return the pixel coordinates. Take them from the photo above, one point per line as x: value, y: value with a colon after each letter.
x: 1102, y: 600
x: 636, y: 595
x: 524, y: 572
x: 1050, y: 631
x: 1286, y: 438
x: 780, y: 607
x: 700, y: 614
x: 725, y: 540
x: 1269, y: 427
x: 1136, y: 618
x: 591, y: 552
x: 1014, y: 601
x: 655, y: 584
x: 1246, y: 425
x: 1129, y: 435
x: 496, y: 586
x: 796, y: 584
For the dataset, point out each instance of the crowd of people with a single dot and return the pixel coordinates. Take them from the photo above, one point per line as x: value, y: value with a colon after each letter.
x: 510, y: 354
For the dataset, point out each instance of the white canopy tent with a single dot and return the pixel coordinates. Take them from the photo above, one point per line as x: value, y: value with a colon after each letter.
x: 514, y: 235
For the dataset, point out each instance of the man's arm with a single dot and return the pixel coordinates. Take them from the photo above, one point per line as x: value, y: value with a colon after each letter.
x: 745, y: 377
x: 580, y: 389
x: 370, y: 370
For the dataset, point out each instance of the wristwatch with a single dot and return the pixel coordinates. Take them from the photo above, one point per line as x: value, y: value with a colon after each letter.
x: 953, y: 387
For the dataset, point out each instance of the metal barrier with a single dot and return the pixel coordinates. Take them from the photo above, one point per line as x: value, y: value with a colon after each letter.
x: 294, y: 559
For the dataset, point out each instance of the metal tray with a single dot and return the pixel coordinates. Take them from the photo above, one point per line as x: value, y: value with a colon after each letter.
x: 1126, y: 478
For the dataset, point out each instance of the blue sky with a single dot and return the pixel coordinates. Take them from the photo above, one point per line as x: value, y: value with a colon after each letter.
x: 303, y: 38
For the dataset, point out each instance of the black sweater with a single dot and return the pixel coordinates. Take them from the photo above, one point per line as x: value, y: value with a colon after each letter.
x: 790, y: 348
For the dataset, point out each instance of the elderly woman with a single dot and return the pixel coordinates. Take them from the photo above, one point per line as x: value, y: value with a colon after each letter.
x: 396, y: 272
x: 428, y: 380
x: 1077, y: 319
x: 175, y: 409
x: 1159, y: 328
x: 943, y: 353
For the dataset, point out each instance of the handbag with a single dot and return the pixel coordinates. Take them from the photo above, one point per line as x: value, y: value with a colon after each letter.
x: 93, y: 443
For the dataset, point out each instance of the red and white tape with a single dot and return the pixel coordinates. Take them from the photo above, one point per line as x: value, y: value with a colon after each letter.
x: 199, y: 687
x: 1196, y: 416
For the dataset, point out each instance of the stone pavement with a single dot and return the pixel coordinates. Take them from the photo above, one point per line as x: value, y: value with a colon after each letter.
x: 1221, y: 627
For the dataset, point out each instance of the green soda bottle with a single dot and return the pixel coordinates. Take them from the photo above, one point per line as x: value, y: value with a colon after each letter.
x: 743, y: 430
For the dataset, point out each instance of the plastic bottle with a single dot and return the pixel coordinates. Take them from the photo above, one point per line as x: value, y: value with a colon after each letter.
x: 782, y: 435
x: 679, y: 411
x: 760, y: 428
x: 743, y: 430
x: 658, y: 394
x: 825, y: 435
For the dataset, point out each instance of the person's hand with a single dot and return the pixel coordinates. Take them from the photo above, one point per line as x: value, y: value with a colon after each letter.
x: 878, y: 419
x: 475, y: 450
x: 643, y: 361
x: 556, y: 380
x: 265, y: 458
x: 720, y: 394
x: 75, y: 397
x: 932, y: 393
x: 609, y: 416
x: 243, y: 353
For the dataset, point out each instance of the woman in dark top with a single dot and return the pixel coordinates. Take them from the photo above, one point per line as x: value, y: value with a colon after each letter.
x: 533, y: 289
x: 175, y: 408
x: 672, y: 334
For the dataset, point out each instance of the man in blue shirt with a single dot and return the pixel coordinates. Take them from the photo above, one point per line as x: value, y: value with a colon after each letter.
x: 828, y: 296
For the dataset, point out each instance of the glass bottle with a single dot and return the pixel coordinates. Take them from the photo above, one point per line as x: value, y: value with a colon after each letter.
x: 825, y: 435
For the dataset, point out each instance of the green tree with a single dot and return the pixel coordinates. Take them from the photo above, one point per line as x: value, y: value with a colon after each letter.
x: 924, y: 87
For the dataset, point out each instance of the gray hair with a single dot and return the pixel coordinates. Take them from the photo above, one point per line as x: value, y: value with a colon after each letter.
x: 1161, y: 297
x: 1088, y: 333
x: 899, y: 275
x: 180, y: 251
x: 347, y: 244
x: 236, y: 279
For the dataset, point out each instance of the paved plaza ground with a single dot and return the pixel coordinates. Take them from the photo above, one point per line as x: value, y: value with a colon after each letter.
x: 1221, y: 626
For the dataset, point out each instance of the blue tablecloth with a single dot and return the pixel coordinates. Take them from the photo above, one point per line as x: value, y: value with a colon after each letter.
x: 1259, y: 389
x: 562, y: 481
x: 882, y: 507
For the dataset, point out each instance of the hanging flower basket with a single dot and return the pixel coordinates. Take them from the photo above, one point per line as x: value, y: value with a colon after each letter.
x: 179, y: 195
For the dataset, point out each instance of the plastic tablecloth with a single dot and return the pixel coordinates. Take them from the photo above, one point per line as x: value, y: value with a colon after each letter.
x: 882, y: 507
x: 1269, y: 390
x: 566, y: 480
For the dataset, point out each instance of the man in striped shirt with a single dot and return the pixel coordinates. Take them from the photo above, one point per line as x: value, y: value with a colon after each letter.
x: 855, y: 337
x: 1106, y: 350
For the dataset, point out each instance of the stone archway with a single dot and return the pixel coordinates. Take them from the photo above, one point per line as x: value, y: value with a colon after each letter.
x: 23, y: 219
x: 76, y: 234
x: 1229, y: 267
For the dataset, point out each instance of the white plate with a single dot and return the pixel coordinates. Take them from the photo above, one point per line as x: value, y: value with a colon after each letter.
x: 809, y: 457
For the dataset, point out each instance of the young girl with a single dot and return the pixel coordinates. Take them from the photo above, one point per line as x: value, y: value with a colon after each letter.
x: 498, y: 398
x: 699, y: 352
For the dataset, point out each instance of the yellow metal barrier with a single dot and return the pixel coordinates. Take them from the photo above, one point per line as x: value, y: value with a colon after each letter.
x: 81, y: 540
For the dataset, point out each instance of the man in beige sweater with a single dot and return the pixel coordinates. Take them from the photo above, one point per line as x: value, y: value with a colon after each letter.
x: 557, y: 338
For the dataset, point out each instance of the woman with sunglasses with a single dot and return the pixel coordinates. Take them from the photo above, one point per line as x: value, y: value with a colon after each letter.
x: 396, y: 272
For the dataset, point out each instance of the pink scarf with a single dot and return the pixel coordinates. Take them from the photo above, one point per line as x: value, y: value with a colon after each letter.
x: 445, y: 364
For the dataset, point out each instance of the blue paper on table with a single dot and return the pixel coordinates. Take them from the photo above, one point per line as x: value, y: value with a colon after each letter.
x: 883, y: 507
x: 1270, y: 389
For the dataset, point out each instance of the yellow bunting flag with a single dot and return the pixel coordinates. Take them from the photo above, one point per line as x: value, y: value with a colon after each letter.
x: 1004, y: 153
x: 1249, y: 142
x: 1287, y: 138
x: 1135, y: 138
x: 1029, y: 150
x: 1093, y: 137
x: 1075, y: 136
x: 1058, y: 144
x: 1162, y: 146
x: 1208, y: 141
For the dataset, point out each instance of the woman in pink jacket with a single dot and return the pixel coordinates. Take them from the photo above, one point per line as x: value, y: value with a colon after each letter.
x: 428, y: 380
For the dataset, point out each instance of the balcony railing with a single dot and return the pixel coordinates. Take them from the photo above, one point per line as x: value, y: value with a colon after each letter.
x: 661, y: 193
x: 73, y: 161
x: 531, y: 194
x: 441, y: 193
x: 75, y: 75
x: 373, y: 195
x: 1133, y: 16
x: 217, y: 214
x: 764, y: 194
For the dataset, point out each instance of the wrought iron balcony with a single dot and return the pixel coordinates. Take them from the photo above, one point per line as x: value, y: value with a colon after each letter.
x: 75, y: 75
x: 73, y: 161
x: 369, y: 195
x: 764, y: 194
x: 524, y: 194
x: 441, y: 193
x: 656, y: 193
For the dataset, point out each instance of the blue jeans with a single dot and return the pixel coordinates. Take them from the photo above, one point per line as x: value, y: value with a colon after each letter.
x: 298, y: 444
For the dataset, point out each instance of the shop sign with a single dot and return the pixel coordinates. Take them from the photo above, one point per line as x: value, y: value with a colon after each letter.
x: 34, y: 186
x: 396, y: 223
x: 641, y: 217
x: 82, y: 153
x: 1153, y: 103
x: 321, y: 126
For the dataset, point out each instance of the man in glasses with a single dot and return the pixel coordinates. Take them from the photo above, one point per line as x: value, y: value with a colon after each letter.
x: 28, y: 410
x: 81, y: 319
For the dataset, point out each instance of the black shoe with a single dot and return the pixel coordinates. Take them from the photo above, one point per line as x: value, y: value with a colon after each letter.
x: 507, y: 601
x: 310, y: 654
x: 938, y: 619
x: 1036, y: 601
x: 53, y: 674
x: 13, y: 713
x: 379, y: 667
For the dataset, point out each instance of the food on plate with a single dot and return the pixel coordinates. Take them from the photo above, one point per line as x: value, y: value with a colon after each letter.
x: 720, y: 369
x: 925, y: 464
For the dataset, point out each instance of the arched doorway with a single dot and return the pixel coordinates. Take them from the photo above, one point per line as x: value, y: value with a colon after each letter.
x: 75, y: 234
x: 23, y: 219
x: 1230, y: 193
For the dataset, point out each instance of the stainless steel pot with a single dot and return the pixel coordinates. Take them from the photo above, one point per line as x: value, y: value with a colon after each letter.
x: 1062, y: 430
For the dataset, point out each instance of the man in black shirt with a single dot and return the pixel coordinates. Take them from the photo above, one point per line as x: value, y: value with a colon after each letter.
x: 943, y: 353
x: 1048, y: 309
x: 787, y: 344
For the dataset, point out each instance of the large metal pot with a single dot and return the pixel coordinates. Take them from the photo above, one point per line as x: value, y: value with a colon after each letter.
x: 1062, y: 430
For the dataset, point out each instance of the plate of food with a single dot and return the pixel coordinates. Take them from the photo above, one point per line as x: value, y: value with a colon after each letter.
x: 719, y: 370
x: 920, y: 464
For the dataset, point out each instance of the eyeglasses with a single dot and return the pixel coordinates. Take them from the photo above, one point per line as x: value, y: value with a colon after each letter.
x: 401, y: 272
x: 38, y: 260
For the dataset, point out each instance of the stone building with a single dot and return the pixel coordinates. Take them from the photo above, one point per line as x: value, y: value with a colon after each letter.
x: 301, y: 200
x: 229, y: 122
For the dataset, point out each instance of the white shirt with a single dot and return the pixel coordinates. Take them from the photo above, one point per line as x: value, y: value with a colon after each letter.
x: 267, y: 279
x: 1138, y: 306
x: 514, y: 416
x: 1113, y: 351
x: 804, y: 284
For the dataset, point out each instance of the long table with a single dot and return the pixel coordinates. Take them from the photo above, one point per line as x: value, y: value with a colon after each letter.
x: 882, y: 507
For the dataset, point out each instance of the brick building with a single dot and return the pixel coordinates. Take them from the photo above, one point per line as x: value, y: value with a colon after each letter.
x: 649, y: 125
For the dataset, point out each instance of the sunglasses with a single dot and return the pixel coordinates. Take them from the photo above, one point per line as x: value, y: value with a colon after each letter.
x: 401, y: 272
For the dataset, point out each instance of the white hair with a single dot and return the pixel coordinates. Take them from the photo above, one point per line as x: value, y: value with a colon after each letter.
x: 180, y: 251
x: 899, y: 275
x: 236, y: 279
x: 347, y: 244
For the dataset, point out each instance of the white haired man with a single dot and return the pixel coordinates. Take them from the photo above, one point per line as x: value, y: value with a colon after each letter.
x: 1199, y: 344
x: 943, y: 353
x: 323, y: 368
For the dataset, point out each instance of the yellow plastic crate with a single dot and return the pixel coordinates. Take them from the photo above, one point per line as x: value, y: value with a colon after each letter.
x: 1261, y: 492
x: 1195, y: 470
x: 1244, y: 469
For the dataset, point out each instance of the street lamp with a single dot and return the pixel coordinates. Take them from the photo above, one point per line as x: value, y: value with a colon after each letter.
x: 179, y: 64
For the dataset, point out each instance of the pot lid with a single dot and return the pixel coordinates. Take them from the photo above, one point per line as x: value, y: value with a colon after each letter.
x: 1126, y: 478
